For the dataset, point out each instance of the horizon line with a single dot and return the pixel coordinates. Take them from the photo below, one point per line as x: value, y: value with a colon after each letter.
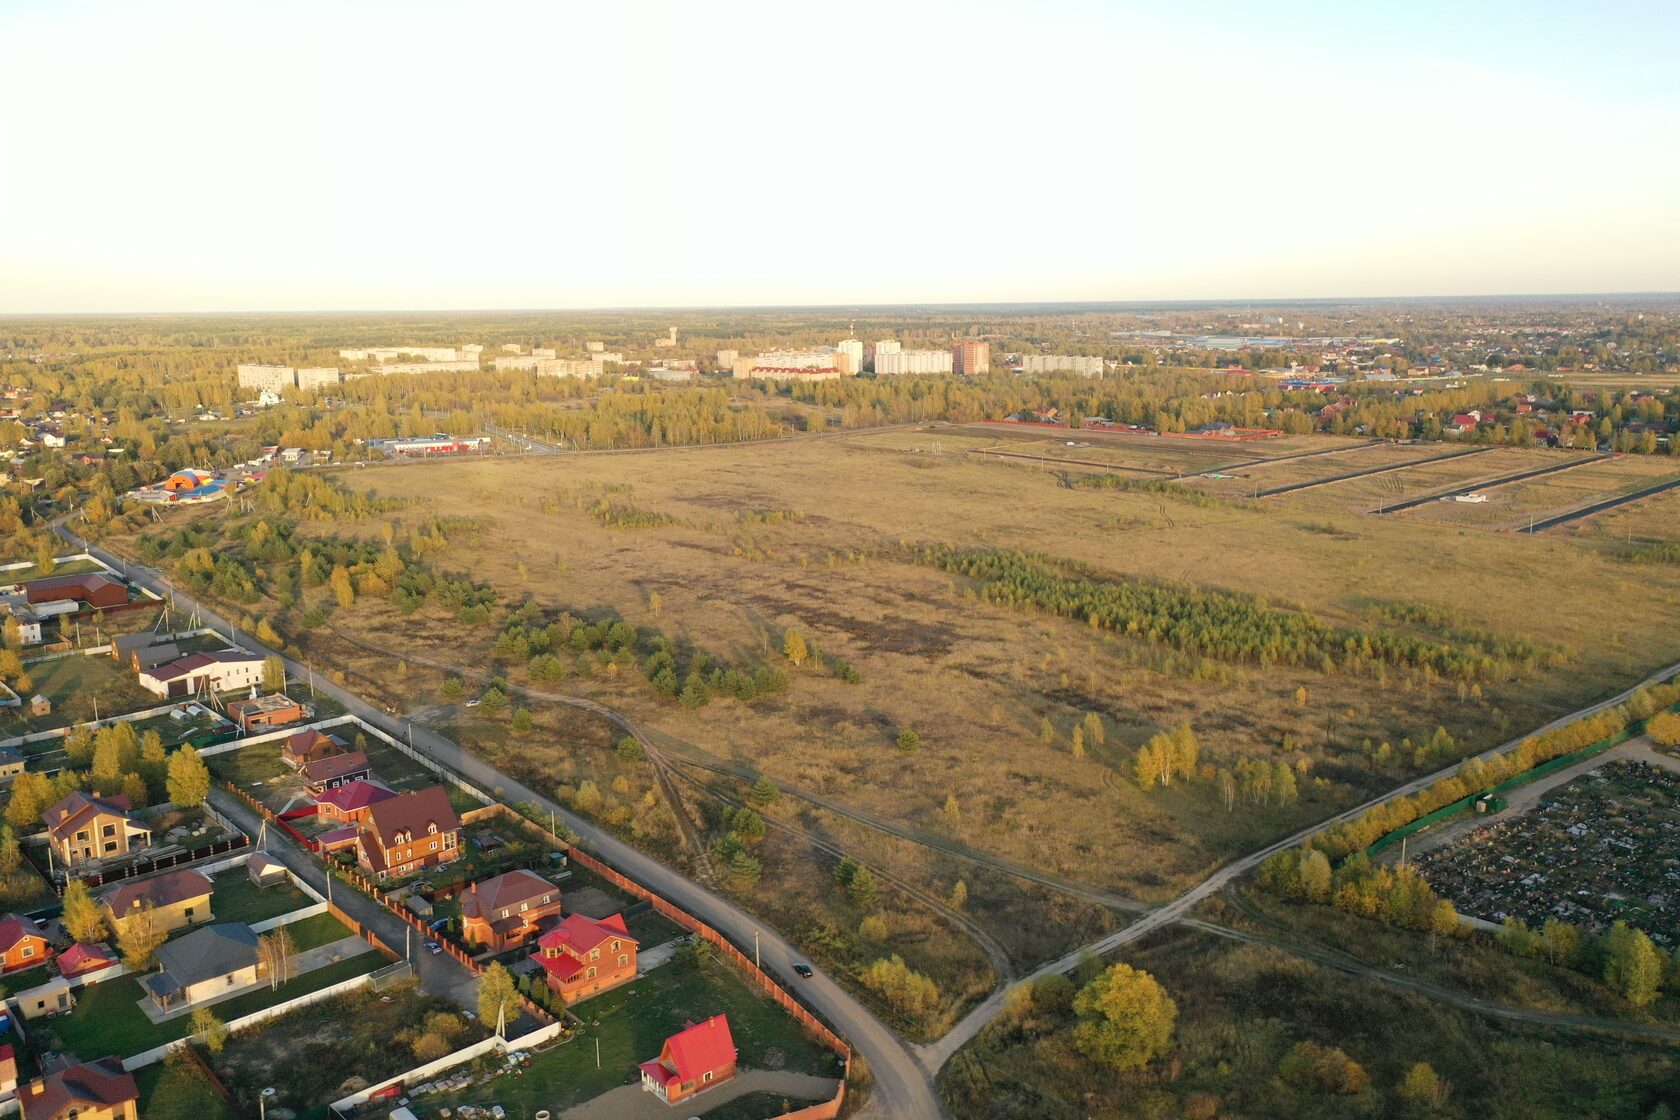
x: 1095, y: 304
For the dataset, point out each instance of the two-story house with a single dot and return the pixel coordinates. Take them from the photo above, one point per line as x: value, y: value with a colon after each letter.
x: 410, y: 831
x: 335, y: 770
x: 86, y: 826
x: 100, y: 1090
x: 584, y: 956
x: 503, y: 911
x: 22, y: 944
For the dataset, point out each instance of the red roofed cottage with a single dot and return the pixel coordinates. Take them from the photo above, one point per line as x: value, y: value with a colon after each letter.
x: 696, y: 1058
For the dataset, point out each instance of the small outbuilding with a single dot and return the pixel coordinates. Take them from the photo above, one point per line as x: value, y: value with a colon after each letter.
x: 39, y: 705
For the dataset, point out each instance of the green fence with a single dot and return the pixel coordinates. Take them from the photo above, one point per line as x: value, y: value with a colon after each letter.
x: 1464, y: 804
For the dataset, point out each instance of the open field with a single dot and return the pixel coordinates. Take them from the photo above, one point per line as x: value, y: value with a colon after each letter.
x: 1241, y: 1008
x: 1514, y: 506
x: 1243, y: 482
x: 1362, y: 495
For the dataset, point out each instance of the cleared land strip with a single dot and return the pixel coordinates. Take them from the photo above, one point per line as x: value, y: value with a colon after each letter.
x: 1506, y: 480
x: 1246, y: 463
x: 1600, y: 507
x: 1653, y: 1032
x: 1368, y: 471
x: 1058, y: 461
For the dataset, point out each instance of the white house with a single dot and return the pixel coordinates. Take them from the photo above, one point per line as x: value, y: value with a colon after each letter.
x: 227, y: 670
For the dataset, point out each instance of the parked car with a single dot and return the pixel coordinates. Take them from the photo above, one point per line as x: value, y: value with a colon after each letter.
x: 434, y: 947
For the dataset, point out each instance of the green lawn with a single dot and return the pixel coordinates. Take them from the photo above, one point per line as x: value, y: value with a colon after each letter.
x: 108, y: 1019
x: 312, y: 932
x: 174, y: 1091
x: 248, y: 765
x: 634, y: 1022
x: 237, y: 899
x: 21, y: 981
x: 74, y: 685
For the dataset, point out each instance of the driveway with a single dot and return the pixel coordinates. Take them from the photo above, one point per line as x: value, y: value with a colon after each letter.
x: 632, y: 1102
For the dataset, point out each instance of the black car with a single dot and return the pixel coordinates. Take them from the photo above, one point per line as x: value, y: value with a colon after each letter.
x: 804, y: 970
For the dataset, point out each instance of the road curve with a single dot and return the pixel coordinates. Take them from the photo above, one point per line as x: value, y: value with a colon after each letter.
x: 901, y: 1087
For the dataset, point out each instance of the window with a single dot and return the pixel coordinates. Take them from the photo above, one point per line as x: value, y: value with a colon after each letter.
x: 189, y: 913
x: 230, y: 980
x: 623, y: 959
x: 708, y: 1076
x: 591, y: 974
x: 523, y: 906
x: 108, y: 830
x: 29, y: 950
x: 82, y: 835
x: 615, y: 944
x: 110, y: 845
x: 431, y: 829
x: 449, y: 840
x: 434, y: 845
x: 594, y: 954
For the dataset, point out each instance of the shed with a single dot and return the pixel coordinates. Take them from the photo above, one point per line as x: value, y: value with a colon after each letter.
x: 50, y: 998
x: 39, y: 705
x: 265, y: 870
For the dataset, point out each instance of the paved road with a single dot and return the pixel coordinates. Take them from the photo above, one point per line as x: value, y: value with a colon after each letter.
x: 936, y: 1054
x: 902, y: 1088
x: 440, y: 974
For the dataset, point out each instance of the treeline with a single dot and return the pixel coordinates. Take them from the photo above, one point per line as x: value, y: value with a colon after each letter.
x: 1476, y: 774
x: 555, y: 649
x: 1225, y: 625
x: 1623, y: 957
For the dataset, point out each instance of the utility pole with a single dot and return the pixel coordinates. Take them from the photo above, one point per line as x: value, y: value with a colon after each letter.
x: 756, y: 963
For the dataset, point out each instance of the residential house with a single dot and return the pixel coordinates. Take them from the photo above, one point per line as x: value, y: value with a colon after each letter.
x: 583, y: 956
x: 147, y: 658
x: 220, y: 671
x: 178, y: 899
x: 351, y: 801
x: 403, y: 834
x: 8, y: 1071
x: 86, y: 826
x: 93, y: 588
x: 83, y: 957
x: 309, y: 745
x: 22, y: 944
x: 208, y: 962
x: 11, y: 764
x: 503, y: 911
x: 698, y: 1057
x: 265, y: 711
x: 55, y: 997
x: 335, y: 770
x: 100, y: 1090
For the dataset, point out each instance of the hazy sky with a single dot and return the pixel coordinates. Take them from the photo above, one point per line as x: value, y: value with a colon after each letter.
x: 299, y: 155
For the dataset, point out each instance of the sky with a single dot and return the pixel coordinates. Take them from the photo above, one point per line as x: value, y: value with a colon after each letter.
x: 240, y: 156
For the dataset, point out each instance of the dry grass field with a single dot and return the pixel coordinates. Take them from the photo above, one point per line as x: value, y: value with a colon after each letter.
x: 976, y: 681
x: 1513, y: 507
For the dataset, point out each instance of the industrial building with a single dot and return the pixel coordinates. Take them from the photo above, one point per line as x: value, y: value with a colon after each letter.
x: 424, y: 447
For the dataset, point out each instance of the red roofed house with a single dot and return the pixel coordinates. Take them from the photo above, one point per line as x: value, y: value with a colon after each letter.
x: 351, y: 801
x: 410, y: 831
x: 335, y: 770
x: 584, y: 956
x: 92, y: 588
x: 502, y: 912
x: 87, y: 826
x: 22, y: 943
x: 8, y: 1071
x: 697, y: 1057
x: 83, y: 957
x: 307, y: 746
x: 100, y: 1090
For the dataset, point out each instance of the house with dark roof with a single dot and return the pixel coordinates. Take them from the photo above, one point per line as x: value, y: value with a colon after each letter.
x: 402, y: 834
x: 100, y: 1090
x: 210, y: 961
x: 87, y: 826
x: 11, y: 764
x: 582, y: 956
x: 177, y: 900
x: 503, y: 911
x: 696, y: 1058
x: 309, y: 745
x: 22, y: 944
x: 93, y: 588
x: 335, y: 770
x: 225, y: 670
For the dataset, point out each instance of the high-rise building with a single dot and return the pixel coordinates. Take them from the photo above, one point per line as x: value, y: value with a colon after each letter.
x: 891, y: 362
x: 316, y: 377
x: 885, y: 346
x: 256, y: 375
x: 727, y: 358
x: 852, y: 352
x: 971, y: 357
x: 1051, y: 363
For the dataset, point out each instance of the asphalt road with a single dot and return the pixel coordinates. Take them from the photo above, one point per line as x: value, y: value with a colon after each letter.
x: 901, y: 1087
x: 440, y: 974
